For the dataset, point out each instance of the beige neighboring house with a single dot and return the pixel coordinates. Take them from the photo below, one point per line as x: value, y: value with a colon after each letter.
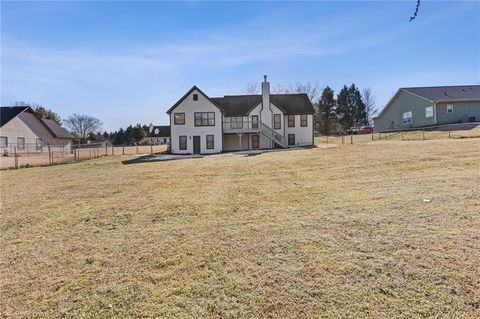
x: 24, y: 131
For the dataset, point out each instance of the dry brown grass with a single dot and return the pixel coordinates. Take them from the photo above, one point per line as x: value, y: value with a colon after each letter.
x: 327, y: 232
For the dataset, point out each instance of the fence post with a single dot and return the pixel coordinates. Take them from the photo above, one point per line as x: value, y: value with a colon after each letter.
x: 90, y: 152
x: 113, y: 150
x: 423, y: 134
x: 372, y: 135
x: 16, y: 157
x: 123, y: 149
x: 50, y: 159
x: 136, y: 146
x: 351, y: 138
x: 402, y: 135
x: 343, y: 139
x: 448, y: 134
x: 151, y: 149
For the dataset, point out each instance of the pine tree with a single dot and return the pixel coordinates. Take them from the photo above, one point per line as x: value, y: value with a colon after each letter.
x: 343, y: 110
x: 326, y: 109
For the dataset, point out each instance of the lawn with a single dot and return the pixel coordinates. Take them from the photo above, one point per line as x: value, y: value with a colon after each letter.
x: 340, y: 232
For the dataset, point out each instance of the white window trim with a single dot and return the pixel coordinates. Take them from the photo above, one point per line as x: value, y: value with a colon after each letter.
x: 429, y: 111
x: 410, y: 118
x: 449, y: 107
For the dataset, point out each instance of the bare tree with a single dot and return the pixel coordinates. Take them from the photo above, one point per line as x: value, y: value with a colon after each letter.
x: 417, y: 7
x: 312, y: 90
x: 253, y: 88
x: 369, y: 99
x: 83, y: 125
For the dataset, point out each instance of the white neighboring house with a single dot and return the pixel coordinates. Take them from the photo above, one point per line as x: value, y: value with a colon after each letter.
x: 23, y: 131
x: 158, y: 134
x: 203, y: 125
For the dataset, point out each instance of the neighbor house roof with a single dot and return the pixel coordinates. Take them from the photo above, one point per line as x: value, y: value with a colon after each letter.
x: 159, y: 131
x: 447, y: 93
x: 436, y: 94
x: 9, y: 112
x: 57, y: 130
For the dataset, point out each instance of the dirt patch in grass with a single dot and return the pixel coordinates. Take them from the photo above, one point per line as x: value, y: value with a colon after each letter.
x: 323, y: 232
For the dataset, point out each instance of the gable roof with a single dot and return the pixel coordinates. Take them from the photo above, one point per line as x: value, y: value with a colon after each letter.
x: 163, y: 131
x: 187, y: 94
x: 438, y: 94
x: 240, y: 105
x: 57, y: 130
x: 447, y: 93
x: 9, y: 112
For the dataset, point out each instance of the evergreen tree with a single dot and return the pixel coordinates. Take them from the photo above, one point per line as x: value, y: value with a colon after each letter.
x: 326, y: 109
x: 343, y: 110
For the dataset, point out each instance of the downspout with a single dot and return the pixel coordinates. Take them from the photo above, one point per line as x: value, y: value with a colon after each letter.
x: 435, y: 113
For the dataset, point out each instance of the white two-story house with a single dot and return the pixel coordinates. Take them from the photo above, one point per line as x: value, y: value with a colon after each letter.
x: 205, y: 125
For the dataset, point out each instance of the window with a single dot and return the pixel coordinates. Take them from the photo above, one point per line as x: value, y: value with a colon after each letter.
x: 291, y: 120
x: 254, y: 121
x: 303, y: 120
x: 255, y: 141
x: 291, y: 139
x: 179, y: 118
x: 195, y: 97
x: 21, y: 143
x: 277, y: 123
x: 236, y: 122
x: 210, y: 143
x: 182, y: 139
x: 204, y: 119
x: 39, y: 144
x: 3, y: 141
x: 449, y: 108
x: 429, y: 111
x: 407, y: 118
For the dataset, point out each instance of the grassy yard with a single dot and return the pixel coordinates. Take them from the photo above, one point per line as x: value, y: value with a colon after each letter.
x: 328, y: 232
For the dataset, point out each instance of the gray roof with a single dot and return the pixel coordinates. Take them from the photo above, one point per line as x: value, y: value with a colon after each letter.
x: 163, y: 131
x: 238, y: 105
x: 9, y: 112
x: 57, y: 130
x: 447, y: 93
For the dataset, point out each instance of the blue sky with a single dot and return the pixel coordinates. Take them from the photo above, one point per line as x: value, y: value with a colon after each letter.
x: 128, y: 62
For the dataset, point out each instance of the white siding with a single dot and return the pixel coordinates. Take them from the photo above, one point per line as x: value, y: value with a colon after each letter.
x: 189, y: 107
x: 303, y: 135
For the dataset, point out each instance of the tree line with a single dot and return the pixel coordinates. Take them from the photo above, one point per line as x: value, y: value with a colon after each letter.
x: 333, y: 113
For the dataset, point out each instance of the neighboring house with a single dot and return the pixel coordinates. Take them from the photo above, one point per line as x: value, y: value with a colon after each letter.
x: 426, y: 106
x: 20, y: 128
x: 158, y: 134
x: 203, y: 125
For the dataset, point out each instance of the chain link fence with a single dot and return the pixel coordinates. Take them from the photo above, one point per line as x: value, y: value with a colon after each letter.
x: 16, y: 156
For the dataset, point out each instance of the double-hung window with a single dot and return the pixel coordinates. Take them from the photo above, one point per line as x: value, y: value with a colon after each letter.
x: 179, y: 118
x: 210, y: 143
x: 21, y: 143
x: 449, y: 108
x: 3, y: 141
x: 303, y: 120
x: 236, y: 122
x: 277, y: 121
x: 204, y: 118
x: 407, y: 118
x: 254, y: 121
x: 291, y: 120
x: 38, y: 144
x: 182, y: 141
x: 429, y: 111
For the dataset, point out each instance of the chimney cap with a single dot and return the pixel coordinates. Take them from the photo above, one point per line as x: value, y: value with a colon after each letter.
x: 265, y: 78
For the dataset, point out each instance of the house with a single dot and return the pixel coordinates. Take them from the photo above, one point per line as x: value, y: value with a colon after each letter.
x: 158, y: 134
x: 427, y: 106
x: 203, y: 125
x: 24, y: 131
